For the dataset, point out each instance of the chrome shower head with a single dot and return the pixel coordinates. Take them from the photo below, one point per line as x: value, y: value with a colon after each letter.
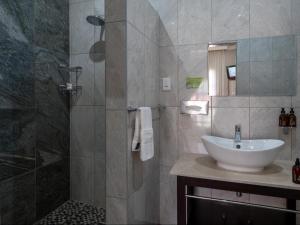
x: 96, y: 20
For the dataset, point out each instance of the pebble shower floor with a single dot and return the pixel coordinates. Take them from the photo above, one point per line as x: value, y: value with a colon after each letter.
x: 74, y: 213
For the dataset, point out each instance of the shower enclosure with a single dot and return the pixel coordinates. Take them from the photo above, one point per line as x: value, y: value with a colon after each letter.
x: 52, y: 111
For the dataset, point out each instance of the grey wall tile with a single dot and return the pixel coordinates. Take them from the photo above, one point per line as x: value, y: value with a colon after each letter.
x: 99, y: 182
x: 151, y: 74
x: 168, y: 68
x: 270, y: 18
x: 81, y: 32
x: 168, y: 136
x: 190, y: 130
x: 264, y: 124
x: 151, y: 23
x: 82, y: 179
x: 192, y: 62
x: 168, y: 33
x: 230, y: 20
x: 99, y: 85
x: 270, y: 102
x: 116, y: 211
x: 116, y: 150
x: 230, y: 102
x: 194, y: 21
x: 136, y: 10
x: 82, y: 131
x: 115, y: 65
x: 115, y: 10
x: 86, y: 79
x: 295, y: 138
x: 224, y: 120
x: 135, y: 67
x: 296, y: 16
x: 100, y: 128
x: 168, y: 199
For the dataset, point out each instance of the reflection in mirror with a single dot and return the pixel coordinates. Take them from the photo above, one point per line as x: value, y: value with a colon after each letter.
x: 257, y: 67
x: 222, y: 69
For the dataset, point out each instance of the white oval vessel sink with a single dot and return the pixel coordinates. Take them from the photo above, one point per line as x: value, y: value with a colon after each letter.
x: 244, y: 156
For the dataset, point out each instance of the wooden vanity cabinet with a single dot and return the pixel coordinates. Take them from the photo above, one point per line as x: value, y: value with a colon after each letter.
x: 207, y: 212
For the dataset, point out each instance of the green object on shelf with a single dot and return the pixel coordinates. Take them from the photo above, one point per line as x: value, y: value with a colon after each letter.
x: 193, y: 82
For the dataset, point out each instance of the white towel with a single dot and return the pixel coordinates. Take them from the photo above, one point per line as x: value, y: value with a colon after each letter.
x: 143, y: 134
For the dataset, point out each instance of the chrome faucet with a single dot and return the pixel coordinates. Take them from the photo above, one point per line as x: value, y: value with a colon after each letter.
x: 237, y: 134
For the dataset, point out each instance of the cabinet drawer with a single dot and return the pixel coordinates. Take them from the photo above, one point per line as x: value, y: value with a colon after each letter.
x: 230, y: 195
x: 268, y: 201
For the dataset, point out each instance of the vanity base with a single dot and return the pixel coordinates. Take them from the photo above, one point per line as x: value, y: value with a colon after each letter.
x: 191, y: 210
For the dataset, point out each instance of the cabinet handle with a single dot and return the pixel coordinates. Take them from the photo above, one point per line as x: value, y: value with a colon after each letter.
x: 224, y: 217
x: 239, y: 194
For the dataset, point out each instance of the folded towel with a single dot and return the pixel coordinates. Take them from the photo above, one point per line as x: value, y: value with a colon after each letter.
x: 143, y: 134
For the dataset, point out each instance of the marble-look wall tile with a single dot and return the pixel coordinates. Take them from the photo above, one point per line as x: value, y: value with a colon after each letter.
x: 116, y: 150
x: 82, y: 179
x: 99, y: 182
x: 82, y: 131
x: 230, y: 102
x: 99, y: 127
x: 81, y: 32
x: 168, y: 68
x: 192, y: 62
x: 99, y: 85
x: 53, y: 182
x: 168, y: 199
x: 135, y: 67
x: 264, y: 124
x: 191, y: 128
x: 295, y: 138
x: 151, y: 74
x: 224, y: 120
x: 270, y: 18
x: 168, y: 11
x: 270, y: 102
x: 115, y: 65
x: 296, y: 99
x: 169, y: 151
x: 116, y: 211
x: 296, y: 16
x: 230, y: 20
x: 194, y: 21
x: 86, y: 79
x: 151, y: 23
x: 17, y: 197
x: 115, y: 10
x: 17, y: 137
x: 136, y: 10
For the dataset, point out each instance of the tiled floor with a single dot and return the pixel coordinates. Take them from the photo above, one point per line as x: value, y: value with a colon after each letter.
x: 74, y: 213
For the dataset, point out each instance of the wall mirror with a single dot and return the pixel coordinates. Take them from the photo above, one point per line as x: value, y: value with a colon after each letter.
x: 256, y: 67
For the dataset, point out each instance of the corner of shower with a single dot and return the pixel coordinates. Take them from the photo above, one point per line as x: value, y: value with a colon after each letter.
x: 52, y: 107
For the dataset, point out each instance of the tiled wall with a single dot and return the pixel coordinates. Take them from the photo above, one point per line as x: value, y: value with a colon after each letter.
x: 132, y: 79
x: 186, y: 27
x: 87, y: 144
x: 143, y: 90
x: 34, y: 114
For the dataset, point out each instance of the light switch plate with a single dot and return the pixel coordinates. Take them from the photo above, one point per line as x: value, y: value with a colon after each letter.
x: 166, y: 84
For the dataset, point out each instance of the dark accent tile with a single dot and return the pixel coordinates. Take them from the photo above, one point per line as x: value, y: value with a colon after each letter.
x: 17, y: 200
x: 7, y: 171
x: 52, y: 187
x: 17, y: 137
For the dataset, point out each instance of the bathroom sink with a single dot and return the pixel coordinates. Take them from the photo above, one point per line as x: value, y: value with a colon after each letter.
x: 243, y: 156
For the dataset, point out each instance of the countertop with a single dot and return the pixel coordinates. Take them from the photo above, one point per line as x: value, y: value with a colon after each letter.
x: 278, y: 175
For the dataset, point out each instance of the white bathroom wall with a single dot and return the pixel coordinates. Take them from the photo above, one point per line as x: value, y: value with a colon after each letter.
x: 186, y: 27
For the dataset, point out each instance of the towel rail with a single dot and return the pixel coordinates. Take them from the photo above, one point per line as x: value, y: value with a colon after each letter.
x: 134, y: 109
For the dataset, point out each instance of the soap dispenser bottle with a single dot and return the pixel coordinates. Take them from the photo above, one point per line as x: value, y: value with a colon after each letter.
x: 283, y: 119
x: 292, y: 118
x: 296, y: 172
